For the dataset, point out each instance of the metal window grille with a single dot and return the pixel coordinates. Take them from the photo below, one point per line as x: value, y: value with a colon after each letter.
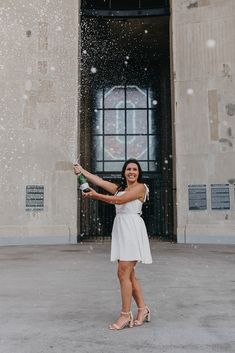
x: 34, y: 198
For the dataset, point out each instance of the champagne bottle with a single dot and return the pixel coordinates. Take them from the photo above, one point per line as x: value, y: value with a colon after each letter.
x: 84, y: 186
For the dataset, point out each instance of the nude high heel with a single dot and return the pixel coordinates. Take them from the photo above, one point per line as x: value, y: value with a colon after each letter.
x: 145, y: 317
x: 125, y: 322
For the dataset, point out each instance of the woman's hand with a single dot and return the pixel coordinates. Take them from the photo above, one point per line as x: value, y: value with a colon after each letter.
x: 91, y: 194
x: 77, y: 168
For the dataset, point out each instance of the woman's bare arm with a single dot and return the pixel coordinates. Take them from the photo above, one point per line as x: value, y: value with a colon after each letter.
x: 136, y: 193
x: 95, y: 179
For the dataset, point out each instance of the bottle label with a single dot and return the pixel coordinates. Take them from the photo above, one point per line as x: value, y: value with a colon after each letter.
x: 84, y: 186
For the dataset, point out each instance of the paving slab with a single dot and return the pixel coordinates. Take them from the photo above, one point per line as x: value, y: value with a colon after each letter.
x: 62, y: 298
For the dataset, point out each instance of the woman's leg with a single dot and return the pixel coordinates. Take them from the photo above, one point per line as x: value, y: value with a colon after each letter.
x: 139, y: 299
x: 125, y: 269
x: 137, y: 291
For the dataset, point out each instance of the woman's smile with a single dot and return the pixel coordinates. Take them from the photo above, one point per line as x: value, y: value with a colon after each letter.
x: 131, y: 172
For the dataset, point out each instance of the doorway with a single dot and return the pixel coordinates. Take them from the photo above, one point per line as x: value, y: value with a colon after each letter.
x: 125, y: 112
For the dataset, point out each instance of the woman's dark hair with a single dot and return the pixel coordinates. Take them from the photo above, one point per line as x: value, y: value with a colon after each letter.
x: 123, y: 184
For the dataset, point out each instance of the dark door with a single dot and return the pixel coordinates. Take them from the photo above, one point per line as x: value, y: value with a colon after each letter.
x: 125, y: 113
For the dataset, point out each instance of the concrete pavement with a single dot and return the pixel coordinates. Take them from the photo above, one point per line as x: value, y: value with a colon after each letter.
x: 62, y: 298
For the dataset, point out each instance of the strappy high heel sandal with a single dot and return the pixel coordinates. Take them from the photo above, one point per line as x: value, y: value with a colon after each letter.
x: 145, y: 317
x: 124, y: 322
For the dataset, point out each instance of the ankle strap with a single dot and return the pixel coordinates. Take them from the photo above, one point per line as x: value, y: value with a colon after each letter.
x: 145, y: 307
x: 126, y: 312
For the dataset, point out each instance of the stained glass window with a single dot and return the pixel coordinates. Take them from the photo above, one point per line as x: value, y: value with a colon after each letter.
x: 126, y: 125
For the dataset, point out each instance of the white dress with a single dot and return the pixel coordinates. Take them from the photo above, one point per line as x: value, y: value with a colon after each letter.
x: 129, y: 235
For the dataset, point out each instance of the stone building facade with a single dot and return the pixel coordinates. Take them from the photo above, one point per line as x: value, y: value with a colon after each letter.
x: 40, y: 120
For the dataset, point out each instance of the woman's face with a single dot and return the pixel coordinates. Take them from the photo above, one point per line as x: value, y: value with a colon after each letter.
x: 131, y: 173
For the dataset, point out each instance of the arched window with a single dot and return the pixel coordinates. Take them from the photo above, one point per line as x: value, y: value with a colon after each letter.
x: 126, y: 125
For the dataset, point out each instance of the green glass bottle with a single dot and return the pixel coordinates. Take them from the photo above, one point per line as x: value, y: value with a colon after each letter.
x: 83, y: 184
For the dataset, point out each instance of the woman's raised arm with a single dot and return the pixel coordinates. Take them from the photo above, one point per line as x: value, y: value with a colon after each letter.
x: 95, y: 179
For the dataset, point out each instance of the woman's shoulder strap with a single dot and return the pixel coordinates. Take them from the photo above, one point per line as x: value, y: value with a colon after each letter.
x: 146, y: 196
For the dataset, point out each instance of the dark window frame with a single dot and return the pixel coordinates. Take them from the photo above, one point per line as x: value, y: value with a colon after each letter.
x: 157, y: 134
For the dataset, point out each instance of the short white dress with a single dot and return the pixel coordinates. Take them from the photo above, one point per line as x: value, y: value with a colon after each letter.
x: 130, y: 240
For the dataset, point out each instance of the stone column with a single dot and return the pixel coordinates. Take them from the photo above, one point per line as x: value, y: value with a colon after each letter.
x: 204, y: 94
x: 39, y: 121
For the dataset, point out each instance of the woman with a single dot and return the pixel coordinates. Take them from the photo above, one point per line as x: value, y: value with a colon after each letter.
x: 130, y: 242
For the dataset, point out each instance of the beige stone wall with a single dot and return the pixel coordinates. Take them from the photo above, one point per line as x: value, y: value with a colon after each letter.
x: 38, y: 121
x: 39, y: 116
x: 204, y: 88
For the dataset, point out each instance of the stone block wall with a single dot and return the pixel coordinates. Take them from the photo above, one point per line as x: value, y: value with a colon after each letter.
x: 203, y: 52
x: 38, y: 121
